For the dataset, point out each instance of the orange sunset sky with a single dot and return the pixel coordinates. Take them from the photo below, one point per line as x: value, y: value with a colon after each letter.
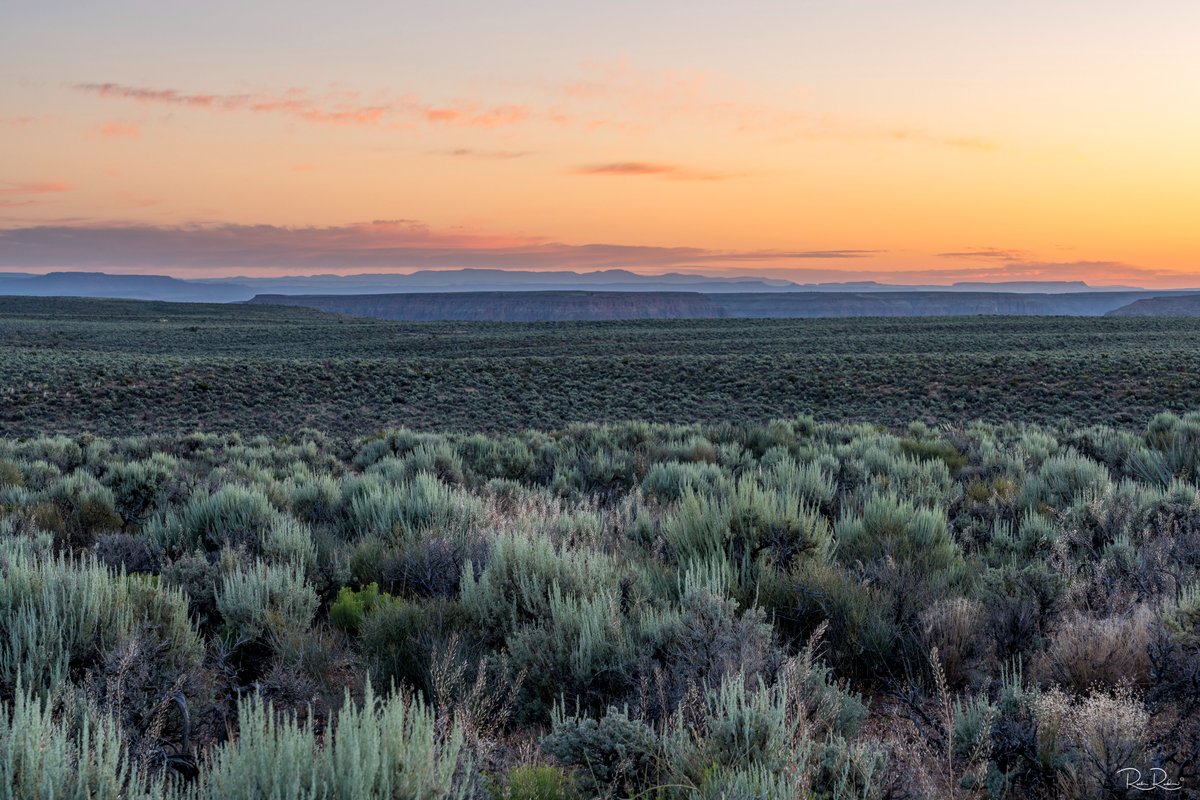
x: 928, y: 142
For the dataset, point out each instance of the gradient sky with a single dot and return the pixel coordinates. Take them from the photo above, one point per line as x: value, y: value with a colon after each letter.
x: 908, y: 142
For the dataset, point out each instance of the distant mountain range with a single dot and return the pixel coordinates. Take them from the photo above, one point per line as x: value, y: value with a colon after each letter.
x: 129, y: 287
x: 488, y: 294
x: 225, y: 290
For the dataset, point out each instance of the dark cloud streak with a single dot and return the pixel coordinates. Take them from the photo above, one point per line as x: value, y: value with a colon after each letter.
x: 987, y: 253
x: 398, y: 245
x: 643, y: 168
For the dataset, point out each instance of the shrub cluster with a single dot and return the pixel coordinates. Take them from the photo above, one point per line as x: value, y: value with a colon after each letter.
x: 731, y: 611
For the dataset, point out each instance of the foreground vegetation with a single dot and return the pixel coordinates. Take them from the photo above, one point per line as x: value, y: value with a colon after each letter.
x: 787, y: 609
x: 120, y: 367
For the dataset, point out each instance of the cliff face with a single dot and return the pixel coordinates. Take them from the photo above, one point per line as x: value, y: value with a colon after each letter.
x: 509, y: 306
x: 1183, y: 306
x: 585, y: 305
x: 921, y: 304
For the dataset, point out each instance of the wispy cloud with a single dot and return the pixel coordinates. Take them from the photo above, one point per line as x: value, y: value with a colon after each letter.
x: 987, y: 253
x: 471, y: 115
x: 610, y: 97
x: 16, y: 122
x: 40, y: 187
x: 119, y: 130
x: 471, y: 152
x: 408, y: 245
x: 1094, y: 273
x: 652, y: 97
x: 643, y: 168
x: 382, y: 244
x: 342, y: 108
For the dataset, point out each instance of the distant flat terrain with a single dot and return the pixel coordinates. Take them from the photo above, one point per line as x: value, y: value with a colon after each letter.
x: 552, y: 306
x: 1175, y: 306
x: 922, y: 303
x: 509, y: 306
x: 120, y: 367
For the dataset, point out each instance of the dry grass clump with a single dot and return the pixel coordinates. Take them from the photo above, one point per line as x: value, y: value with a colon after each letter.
x: 1110, y: 652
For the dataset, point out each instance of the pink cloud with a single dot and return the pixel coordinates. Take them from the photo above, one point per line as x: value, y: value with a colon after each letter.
x: 470, y: 152
x: 630, y: 98
x: 641, y: 168
x: 471, y: 115
x: 119, y: 130
x: 42, y: 187
x: 344, y: 108
x: 610, y: 97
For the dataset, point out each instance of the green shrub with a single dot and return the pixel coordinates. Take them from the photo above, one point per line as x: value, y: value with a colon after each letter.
x: 534, y: 783
x: 752, y: 527
x: 316, y: 500
x: 708, y: 641
x: 289, y: 541
x: 924, y: 482
x: 48, y: 756
x: 894, y: 530
x: 740, y: 726
x: 1182, y: 616
x: 265, y: 599
x: 58, y: 614
x: 692, y: 576
x: 351, y: 607
x: 396, y: 513
x: 669, y: 481
x: 232, y: 516
x: 749, y: 782
x: 585, y: 651
x: 138, y: 486
x: 11, y: 475
x: 612, y: 755
x: 63, y: 452
x: 811, y: 481
x: 516, y: 584
x: 86, y: 508
x: 399, y: 639
x: 388, y: 748
x: 929, y: 449
x: 1062, y: 479
x: 199, y: 578
x: 487, y: 457
x: 862, y: 628
x: 440, y: 460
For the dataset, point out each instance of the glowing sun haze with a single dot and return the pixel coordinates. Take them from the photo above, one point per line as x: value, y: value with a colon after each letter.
x: 927, y: 142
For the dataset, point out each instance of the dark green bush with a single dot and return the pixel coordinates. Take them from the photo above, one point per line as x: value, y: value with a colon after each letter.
x: 612, y: 756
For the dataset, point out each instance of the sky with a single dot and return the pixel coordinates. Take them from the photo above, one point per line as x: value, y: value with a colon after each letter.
x: 930, y: 141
